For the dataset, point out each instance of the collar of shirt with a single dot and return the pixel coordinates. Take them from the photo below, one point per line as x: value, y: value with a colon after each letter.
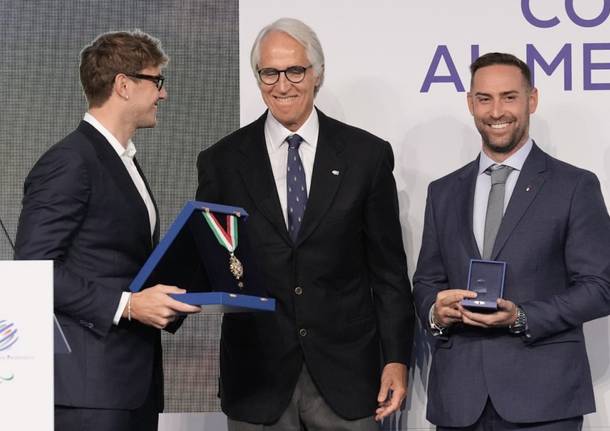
x: 277, y: 133
x: 128, y: 152
x: 515, y: 161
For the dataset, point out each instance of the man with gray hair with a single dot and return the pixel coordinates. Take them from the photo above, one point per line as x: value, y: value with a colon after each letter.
x: 324, y: 222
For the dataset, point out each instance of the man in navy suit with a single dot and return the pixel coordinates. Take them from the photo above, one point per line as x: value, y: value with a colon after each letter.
x: 324, y: 222
x: 88, y: 207
x: 523, y: 366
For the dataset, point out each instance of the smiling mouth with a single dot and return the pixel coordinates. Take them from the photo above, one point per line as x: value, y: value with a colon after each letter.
x: 284, y: 99
x: 499, y: 126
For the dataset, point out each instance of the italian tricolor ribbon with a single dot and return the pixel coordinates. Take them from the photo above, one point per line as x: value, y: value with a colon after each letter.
x: 226, y: 237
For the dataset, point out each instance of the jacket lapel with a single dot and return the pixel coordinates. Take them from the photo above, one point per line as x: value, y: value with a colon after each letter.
x: 324, y: 183
x: 113, y: 164
x: 255, y: 168
x: 531, y: 180
x: 464, y: 204
x: 155, y: 237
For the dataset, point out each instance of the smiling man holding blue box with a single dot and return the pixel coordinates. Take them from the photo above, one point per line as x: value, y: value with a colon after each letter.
x: 524, y: 365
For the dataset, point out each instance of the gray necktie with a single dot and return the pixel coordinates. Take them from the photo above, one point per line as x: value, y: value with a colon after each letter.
x: 495, y: 206
x: 296, y: 186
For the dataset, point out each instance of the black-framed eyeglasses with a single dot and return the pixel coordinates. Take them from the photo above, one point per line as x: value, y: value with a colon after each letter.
x: 294, y: 74
x: 157, y: 80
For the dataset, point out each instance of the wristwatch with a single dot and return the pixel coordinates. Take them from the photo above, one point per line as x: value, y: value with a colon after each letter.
x: 520, y: 325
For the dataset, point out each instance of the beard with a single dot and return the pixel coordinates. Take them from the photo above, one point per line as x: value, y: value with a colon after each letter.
x: 506, y: 145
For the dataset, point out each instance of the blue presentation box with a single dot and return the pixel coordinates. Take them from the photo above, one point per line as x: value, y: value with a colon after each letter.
x: 223, y: 302
x: 486, y: 278
x: 190, y: 256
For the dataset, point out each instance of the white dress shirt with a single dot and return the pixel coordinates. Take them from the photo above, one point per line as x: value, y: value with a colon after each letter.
x: 483, y: 186
x: 277, y: 147
x: 126, y: 155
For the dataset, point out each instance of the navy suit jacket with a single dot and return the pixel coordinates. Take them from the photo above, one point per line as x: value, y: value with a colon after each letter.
x: 82, y: 210
x: 555, y: 238
x: 348, y: 259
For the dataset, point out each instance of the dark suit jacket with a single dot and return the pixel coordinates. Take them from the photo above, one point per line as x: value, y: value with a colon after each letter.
x: 555, y: 237
x: 348, y: 259
x: 82, y: 210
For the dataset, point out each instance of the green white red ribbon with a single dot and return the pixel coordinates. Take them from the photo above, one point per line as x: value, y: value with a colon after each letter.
x: 226, y: 237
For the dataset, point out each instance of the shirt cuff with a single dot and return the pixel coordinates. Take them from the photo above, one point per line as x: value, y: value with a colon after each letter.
x: 122, y: 304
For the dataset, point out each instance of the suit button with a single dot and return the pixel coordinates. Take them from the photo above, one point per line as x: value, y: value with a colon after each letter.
x: 303, y: 332
x: 298, y: 290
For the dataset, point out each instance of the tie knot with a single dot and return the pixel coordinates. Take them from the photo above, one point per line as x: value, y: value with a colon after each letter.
x: 294, y: 141
x: 499, y: 173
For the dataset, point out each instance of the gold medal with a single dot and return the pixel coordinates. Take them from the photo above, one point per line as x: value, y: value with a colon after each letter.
x: 236, y: 269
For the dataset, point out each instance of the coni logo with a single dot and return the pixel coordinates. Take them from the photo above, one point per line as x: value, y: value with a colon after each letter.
x: 8, y: 335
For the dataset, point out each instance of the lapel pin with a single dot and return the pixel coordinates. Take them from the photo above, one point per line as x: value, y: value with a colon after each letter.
x: 335, y: 172
x: 528, y: 188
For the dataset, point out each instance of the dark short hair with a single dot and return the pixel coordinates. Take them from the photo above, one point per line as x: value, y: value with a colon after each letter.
x: 116, y: 52
x: 493, y: 58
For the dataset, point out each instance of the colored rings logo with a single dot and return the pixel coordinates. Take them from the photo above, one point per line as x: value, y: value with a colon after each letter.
x: 8, y: 335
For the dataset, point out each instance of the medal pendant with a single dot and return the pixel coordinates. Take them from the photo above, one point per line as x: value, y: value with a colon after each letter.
x: 237, y: 269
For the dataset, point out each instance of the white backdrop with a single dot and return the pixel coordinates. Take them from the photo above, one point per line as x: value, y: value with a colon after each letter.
x: 378, y: 55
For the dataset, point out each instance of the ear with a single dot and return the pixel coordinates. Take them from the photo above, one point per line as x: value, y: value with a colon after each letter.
x: 121, y: 86
x: 470, y: 102
x: 318, y: 76
x: 533, y: 100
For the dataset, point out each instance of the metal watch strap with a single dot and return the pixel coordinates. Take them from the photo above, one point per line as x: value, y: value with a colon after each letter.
x: 520, y: 325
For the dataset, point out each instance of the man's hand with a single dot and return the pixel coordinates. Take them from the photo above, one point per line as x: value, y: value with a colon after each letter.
x: 393, y: 389
x: 505, y: 316
x: 447, y: 308
x: 154, y: 306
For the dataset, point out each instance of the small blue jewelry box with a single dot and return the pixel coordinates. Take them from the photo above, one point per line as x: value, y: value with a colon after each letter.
x: 486, y: 278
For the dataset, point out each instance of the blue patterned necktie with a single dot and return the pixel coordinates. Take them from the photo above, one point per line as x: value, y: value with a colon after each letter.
x: 296, y: 187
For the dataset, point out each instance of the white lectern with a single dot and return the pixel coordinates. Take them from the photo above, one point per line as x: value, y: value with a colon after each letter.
x: 26, y: 345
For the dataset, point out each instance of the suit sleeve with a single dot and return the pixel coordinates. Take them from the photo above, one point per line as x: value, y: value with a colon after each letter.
x: 587, y: 259
x: 55, y: 202
x: 430, y: 276
x: 387, y: 264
